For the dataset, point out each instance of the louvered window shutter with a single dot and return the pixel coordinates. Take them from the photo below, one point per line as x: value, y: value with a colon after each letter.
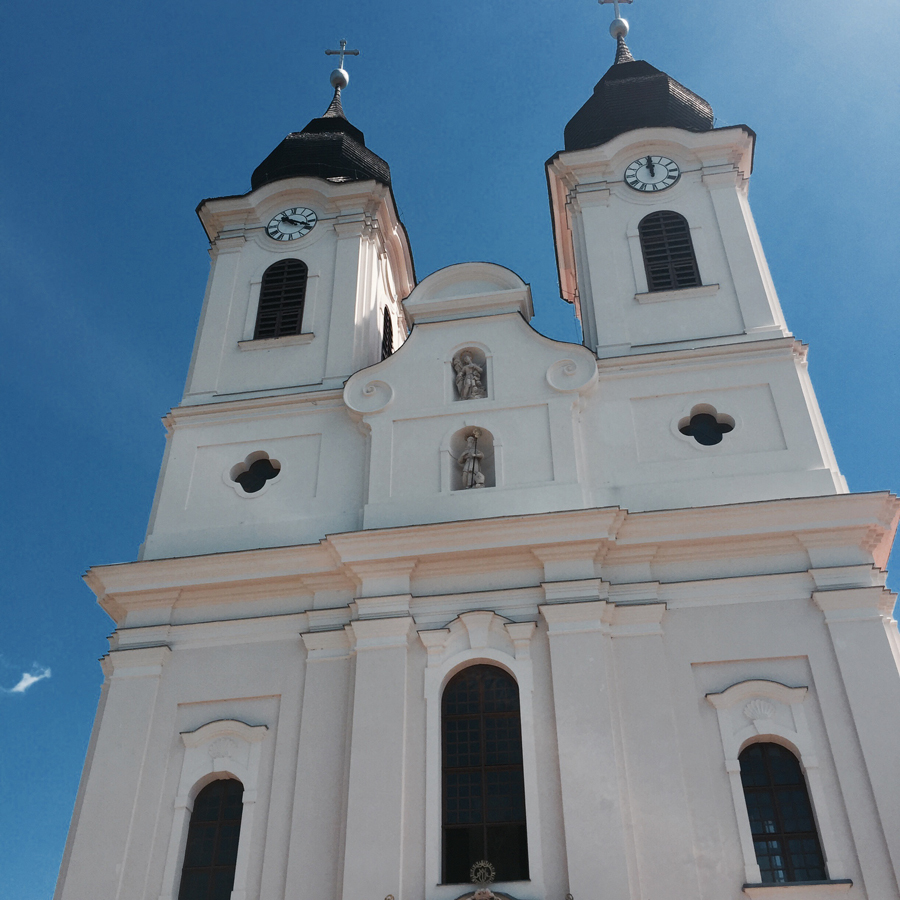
x: 387, y: 335
x: 668, y: 252
x: 281, y: 299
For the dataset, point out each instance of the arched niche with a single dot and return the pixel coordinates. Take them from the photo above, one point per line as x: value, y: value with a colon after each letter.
x: 477, y: 440
x: 469, y: 371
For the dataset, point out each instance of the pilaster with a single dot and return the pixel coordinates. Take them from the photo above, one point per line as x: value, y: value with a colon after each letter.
x: 756, y: 293
x: 348, y: 294
x: 373, y: 859
x: 593, y: 814
x: 659, y: 802
x: 100, y: 852
x: 860, y: 623
x: 314, y: 860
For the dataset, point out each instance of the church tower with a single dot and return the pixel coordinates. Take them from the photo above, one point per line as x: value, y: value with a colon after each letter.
x: 305, y: 288
x: 433, y: 607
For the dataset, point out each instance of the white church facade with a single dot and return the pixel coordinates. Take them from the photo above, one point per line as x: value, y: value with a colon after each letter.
x: 432, y: 606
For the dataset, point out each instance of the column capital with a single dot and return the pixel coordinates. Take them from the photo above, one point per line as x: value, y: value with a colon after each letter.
x: 577, y: 591
x: 382, y: 634
x: 576, y: 618
x: 140, y: 662
x: 855, y: 604
x: 326, y: 645
x: 637, y: 620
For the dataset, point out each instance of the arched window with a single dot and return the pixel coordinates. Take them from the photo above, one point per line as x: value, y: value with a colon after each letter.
x: 483, y: 785
x: 212, y: 842
x: 281, y: 297
x: 668, y: 252
x: 781, y: 819
x: 387, y: 335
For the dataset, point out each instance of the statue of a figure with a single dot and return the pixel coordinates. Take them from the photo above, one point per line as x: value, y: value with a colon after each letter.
x: 470, y: 460
x: 468, y: 378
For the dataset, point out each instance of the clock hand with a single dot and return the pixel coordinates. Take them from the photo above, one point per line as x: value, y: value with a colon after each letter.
x: 651, y: 167
x: 291, y: 221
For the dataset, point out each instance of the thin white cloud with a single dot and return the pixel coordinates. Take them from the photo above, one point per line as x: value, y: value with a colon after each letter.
x: 27, y: 680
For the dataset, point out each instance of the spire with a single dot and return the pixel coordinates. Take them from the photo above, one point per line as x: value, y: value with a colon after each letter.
x: 623, y: 54
x: 340, y: 78
x: 618, y: 29
x: 335, y: 110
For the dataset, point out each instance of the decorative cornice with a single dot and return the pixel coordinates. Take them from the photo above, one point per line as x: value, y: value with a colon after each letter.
x: 252, y: 734
x: 384, y: 563
x: 747, y: 690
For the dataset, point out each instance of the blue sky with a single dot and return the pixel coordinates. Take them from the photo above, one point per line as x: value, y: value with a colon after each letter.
x: 118, y: 118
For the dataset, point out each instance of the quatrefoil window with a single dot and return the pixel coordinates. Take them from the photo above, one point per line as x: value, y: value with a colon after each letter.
x: 705, y: 425
x: 255, y: 472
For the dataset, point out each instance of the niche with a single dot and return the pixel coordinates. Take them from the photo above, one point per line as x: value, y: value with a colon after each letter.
x: 705, y: 425
x: 472, y: 463
x: 470, y: 374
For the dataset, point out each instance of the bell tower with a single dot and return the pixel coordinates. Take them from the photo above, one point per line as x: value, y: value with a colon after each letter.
x: 308, y: 273
x: 308, y: 269
x: 655, y: 242
x: 657, y: 249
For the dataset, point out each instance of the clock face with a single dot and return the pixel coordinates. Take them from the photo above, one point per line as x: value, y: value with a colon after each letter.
x: 652, y: 173
x: 291, y: 224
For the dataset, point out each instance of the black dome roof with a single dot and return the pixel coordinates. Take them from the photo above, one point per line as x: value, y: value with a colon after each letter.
x: 329, y: 147
x: 633, y: 94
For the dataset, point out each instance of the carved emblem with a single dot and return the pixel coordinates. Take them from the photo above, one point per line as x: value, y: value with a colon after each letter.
x: 221, y: 748
x: 482, y: 873
x: 757, y: 710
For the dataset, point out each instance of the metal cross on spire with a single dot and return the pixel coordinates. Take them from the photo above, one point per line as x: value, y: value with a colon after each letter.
x: 618, y: 29
x: 340, y: 78
x: 345, y: 52
x: 615, y: 4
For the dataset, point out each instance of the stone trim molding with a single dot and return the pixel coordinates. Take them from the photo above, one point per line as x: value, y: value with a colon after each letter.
x: 221, y: 749
x: 480, y: 637
x: 755, y: 710
x: 801, y: 890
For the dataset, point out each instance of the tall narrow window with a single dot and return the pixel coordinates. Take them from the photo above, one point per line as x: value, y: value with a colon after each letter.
x: 781, y: 819
x: 387, y: 335
x: 483, y: 785
x: 212, y: 843
x: 668, y: 252
x: 281, y: 297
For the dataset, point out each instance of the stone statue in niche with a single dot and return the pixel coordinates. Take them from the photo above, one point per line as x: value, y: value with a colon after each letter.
x: 468, y: 377
x: 470, y: 461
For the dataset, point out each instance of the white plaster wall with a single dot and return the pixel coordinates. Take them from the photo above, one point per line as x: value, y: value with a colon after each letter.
x: 320, y: 487
x: 638, y: 458
x: 559, y: 435
x: 358, y: 262
x: 596, y: 218
x: 342, y: 805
